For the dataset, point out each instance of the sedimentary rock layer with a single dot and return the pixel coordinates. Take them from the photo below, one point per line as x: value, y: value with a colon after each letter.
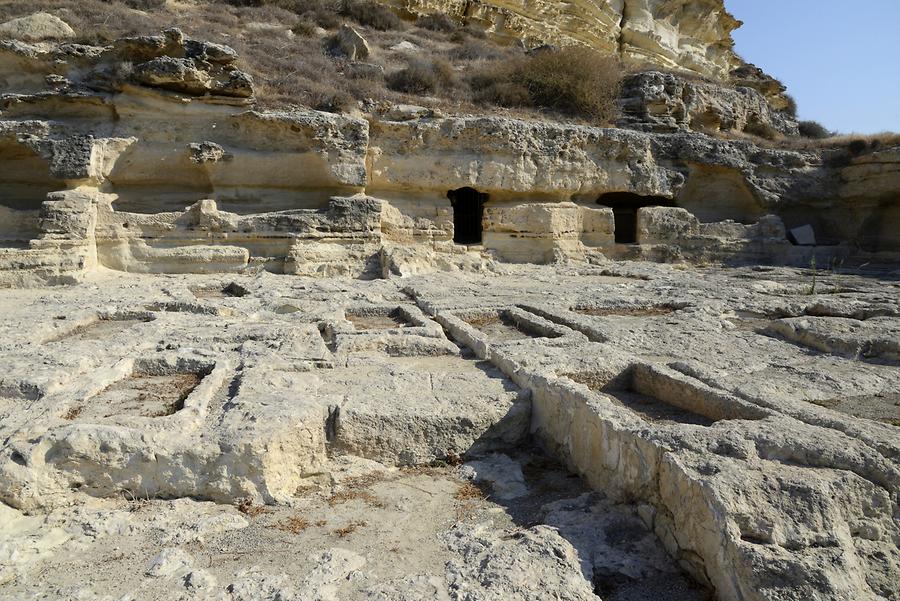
x: 694, y: 36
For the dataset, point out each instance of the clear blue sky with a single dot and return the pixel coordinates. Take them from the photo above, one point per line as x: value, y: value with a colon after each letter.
x: 840, y: 59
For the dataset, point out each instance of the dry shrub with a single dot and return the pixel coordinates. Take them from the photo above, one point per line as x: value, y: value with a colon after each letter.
x: 304, y: 27
x: 145, y: 4
x: 331, y: 100
x: 422, y: 77
x: 466, y: 32
x: 349, y: 529
x: 355, y: 495
x: 294, y: 525
x: 247, y: 507
x: 323, y: 13
x: 850, y: 145
x: 73, y: 413
x: 473, y: 49
x: 574, y: 81
x: 791, y: 108
x: 371, y: 15
x: 469, y: 492
x: 437, y: 22
x: 814, y: 130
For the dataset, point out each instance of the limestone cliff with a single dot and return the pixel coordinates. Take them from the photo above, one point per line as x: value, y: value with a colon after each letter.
x: 691, y: 35
x: 170, y: 166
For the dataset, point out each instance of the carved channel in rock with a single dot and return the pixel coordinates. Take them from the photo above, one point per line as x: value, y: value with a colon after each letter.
x: 100, y: 328
x: 230, y: 290
x: 150, y: 391
x: 503, y: 326
x: 658, y: 399
x: 378, y: 319
x: 650, y: 311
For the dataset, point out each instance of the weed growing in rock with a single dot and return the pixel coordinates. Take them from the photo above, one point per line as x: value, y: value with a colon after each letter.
x: 349, y: 529
x: 247, y: 507
x: 469, y: 492
x: 73, y: 413
x: 294, y: 525
x: 812, y: 265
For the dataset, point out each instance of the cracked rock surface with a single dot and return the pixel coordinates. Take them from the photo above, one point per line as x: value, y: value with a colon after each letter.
x: 620, y: 431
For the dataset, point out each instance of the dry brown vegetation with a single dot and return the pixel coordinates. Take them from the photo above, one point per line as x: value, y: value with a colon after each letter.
x: 294, y: 525
x: 349, y: 529
x: 282, y: 46
x: 73, y: 413
x: 247, y: 507
x: 469, y: 492
x: 572, y: 81
x: 355, y: 495
x: 482, y: 321
x: 845, y: 146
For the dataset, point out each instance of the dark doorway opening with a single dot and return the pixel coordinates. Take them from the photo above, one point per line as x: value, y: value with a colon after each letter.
x: 625, y: 206
x: 468, y: 210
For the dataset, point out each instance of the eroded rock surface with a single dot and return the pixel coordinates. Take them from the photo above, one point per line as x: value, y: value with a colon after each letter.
x: 765, y: 470
x: 150, y: 156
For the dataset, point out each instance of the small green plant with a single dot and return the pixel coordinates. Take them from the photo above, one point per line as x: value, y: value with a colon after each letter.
x: 812, y: 266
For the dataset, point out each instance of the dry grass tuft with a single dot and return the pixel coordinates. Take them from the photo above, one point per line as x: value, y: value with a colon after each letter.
x: 349, y: 529
x: 371, y: 15
x: 247, y: 507
x: 355, y: 495
x: 73, y: 413
x: 294, y: 525
x: 482, y: 321
x: 592, y: 380
x: 469, y: 491
x: 437, y: 22
x: 356, y: 489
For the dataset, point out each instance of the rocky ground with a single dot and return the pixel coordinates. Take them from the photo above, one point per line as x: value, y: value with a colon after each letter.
x: 622, y: 431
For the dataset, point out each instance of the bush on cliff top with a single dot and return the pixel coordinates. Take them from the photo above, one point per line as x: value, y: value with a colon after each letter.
x: 814, y: 130
x: 574, y: 81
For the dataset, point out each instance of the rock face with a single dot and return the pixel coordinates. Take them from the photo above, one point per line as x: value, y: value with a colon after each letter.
x: 167, y: 166
x: 665, y: 102
x: 351, y: 43
x: 764, y: 471
x: 694, y: 36
x: 415, y: 336
x: 38, y: 27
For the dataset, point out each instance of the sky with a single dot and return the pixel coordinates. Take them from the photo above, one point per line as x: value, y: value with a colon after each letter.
x: 839, y: 59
